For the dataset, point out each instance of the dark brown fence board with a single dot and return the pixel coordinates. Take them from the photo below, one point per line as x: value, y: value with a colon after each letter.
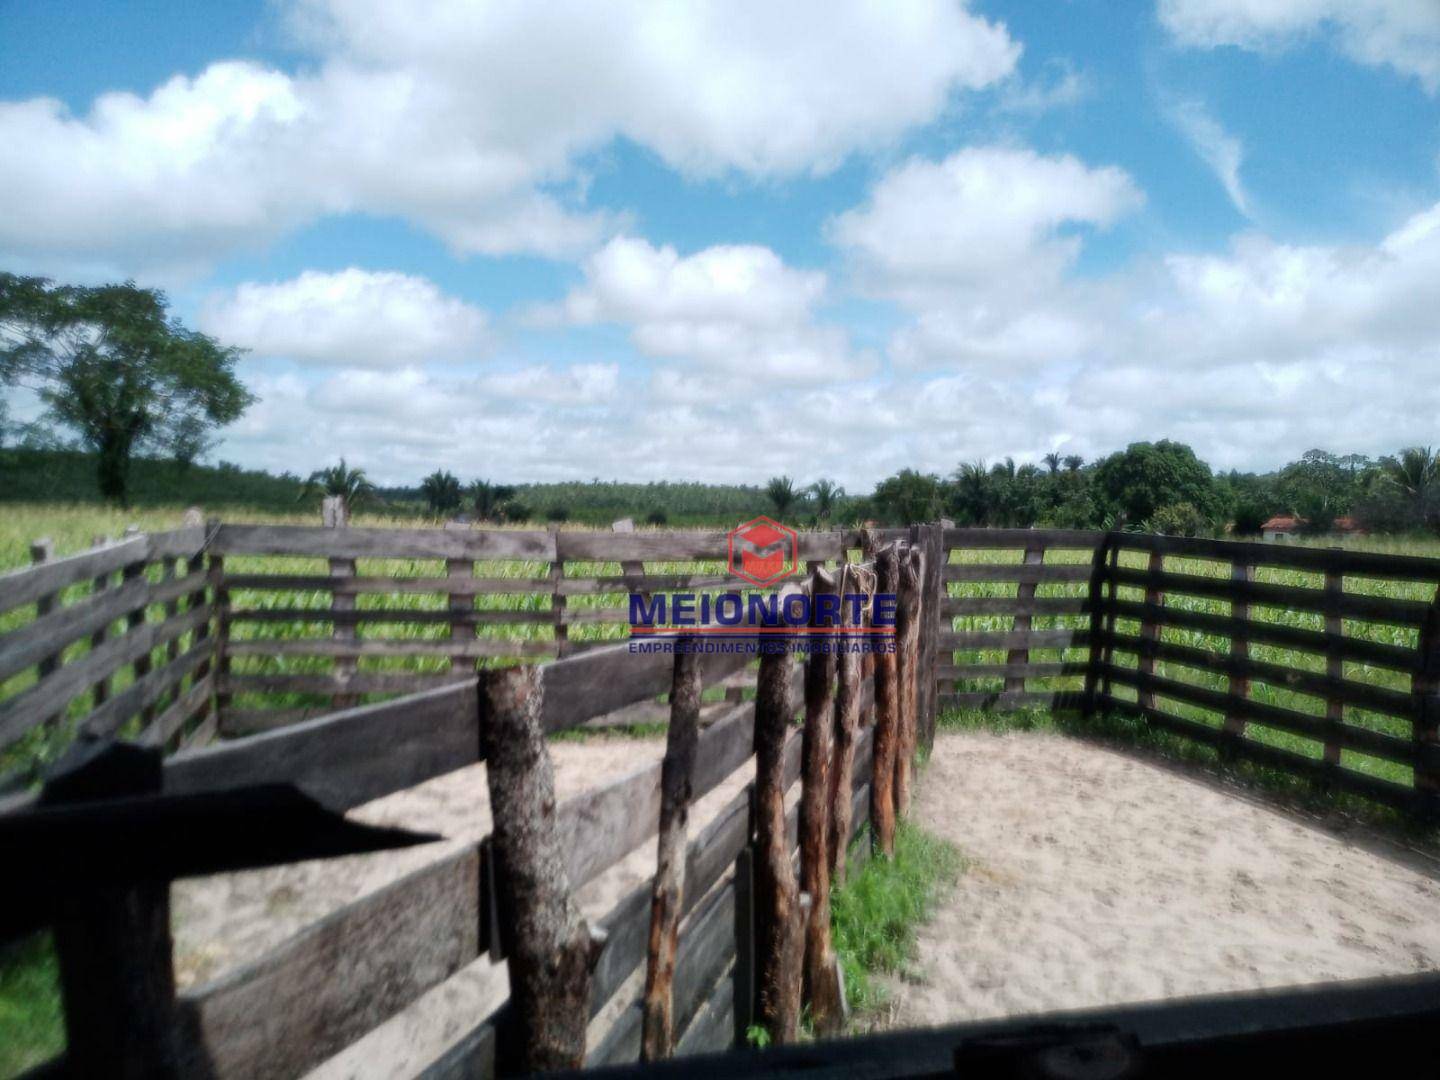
x: 1290, y: 556
x: 1043, y: 574
x: 398, y: 584
x: 353, y: 617
x: 380, y: 646
x: 356, y: 543
x: 1021, y: 538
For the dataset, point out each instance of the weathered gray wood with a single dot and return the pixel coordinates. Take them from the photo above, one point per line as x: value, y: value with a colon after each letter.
x: 365, y: 682
x: 462, y: 618
x: 1015, y: 684
x: 29, y: 584
x: 853, y: 581
x: 647, y: 583
x: 887, y: 715
x: 676, y: 791
x: 383, y: 543
x: 465, y: 586
x: 909, y: 616
x: 41, y: 551
x: 1021, y: 538
x: 932, y: 590
x: 143, y: 693
x: 713, y: 1028
x: 388, y: 647
x: 350, y: 757
x: 1046, y: 574
x: 170, y: 722
x: 673, y: 546
x: 338, y: 978
x: 551, y: 954
x: 28, y: 708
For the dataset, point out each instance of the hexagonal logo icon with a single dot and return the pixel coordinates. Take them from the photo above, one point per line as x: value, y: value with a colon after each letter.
x: 763, y: 551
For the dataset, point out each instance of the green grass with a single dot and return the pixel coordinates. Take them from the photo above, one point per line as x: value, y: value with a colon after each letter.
x: 875, y: 914
x: 32, y: 1026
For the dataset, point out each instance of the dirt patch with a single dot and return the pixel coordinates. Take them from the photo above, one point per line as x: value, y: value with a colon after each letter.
x: 1097, y: 879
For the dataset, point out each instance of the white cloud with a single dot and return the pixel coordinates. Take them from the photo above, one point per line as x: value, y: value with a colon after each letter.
x: 472, y: 121
x: 1402, y: 34
x: 353, y: 318
x: 1220, y: 150
x: 731, y: 308
x: 1064, y: 87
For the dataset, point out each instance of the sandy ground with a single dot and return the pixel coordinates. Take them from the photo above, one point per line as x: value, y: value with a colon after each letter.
x: 1097, y: 878
x: 230, y: 919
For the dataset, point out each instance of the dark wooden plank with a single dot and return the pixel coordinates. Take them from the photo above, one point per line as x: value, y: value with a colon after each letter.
x: 363, y: 682
x: 26, y: 585
x: 172, y: 720
x: 397, y: 585
x: 353, y: 543
x: 1396, y: 657
x: 353, y: 616
x: 713, y: 1028
x: 1380, y: 609
x: 1021, y: 538
x: 143, y: 693
x: 348, y: 758
x: 1292, y: 556
x: 651, y: 583
x: 674, y: 546
x: 1362, y: 695
x: 378, y: 646
x: 1298, y: 723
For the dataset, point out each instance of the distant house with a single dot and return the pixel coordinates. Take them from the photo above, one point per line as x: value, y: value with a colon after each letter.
x: 1288, y: 526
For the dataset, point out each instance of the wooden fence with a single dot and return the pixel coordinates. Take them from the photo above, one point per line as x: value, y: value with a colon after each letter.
x: 324, y: 988
x: 1320, y: 663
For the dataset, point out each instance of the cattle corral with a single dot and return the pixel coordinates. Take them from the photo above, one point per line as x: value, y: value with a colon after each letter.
x: 1328, y: 680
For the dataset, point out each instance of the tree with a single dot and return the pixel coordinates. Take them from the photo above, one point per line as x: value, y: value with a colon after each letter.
x: 109, y: 364
x: 1073, y: 462
x: 441, y: 491
x: 782, y: 493
x: 1146, y: 476
x: 351, y: 484
x: 1052, y: 462
x: 826, y: 494
x: 488, y: 498
x: 908, y: 497
x: 972, y: 499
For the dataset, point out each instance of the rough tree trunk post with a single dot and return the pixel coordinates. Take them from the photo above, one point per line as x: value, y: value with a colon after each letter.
x: 847, y: 723
x: 550, y: 947
x: 908, y: 616
x: 676, y: 783
x: 887, y: 708
x: 779, y: 928
x: 822, y: 973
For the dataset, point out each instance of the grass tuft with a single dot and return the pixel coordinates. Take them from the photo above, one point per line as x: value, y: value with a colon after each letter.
x: 32, y: 1024
x: 875, y: 914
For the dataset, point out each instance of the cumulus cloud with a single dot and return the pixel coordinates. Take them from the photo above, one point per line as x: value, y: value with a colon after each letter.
x: 1401, y: 34
x: 354, y: 318
x: 472, y: 120
x: 733, y: 308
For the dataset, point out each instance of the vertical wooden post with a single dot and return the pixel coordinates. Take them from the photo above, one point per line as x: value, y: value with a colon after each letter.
x: 667, y: 897
x: 172, y: 570
x: 1425, y: 685
x: 1241, y: 574
x: 197, y: 599
x: 221, y: 597
x: 744, y: 986
x: 335, y: 516
x: 557, y: 598
x: 1112, y: 596
x: 822, y: 973
x: 114, y: 950
x: 1095, y: 667
x: 101, y: 691
x: 932, y: 592
x: 847, y: 722
x: 134, y: 621
x: 1334, y: 664
x: 42, y: 551
x: 909, y: 618
x: 780, y: 931
x: 1150, y: 627
x: 887, y: 715
x: 461, y: 628
x: 551, y: 953
x: 1034, y: 556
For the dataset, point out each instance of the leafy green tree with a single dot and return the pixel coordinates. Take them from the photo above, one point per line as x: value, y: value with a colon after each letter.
x: 827, y: 495
x: 908, y: 497
x: 1073, y: 462
x: 972, y: 500
x: 1052, y: 462
x: 441, y: 491
x: 487, y: 498
x: 782, y: 493
x: 112, y: 366
x: 1144, y: 477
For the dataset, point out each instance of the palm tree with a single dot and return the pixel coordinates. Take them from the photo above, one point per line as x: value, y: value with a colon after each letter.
x: 1052, y: 462
x: 441, y: 491
x: 826, y: 494
x: 782, y: 493
x: 1413, y: 471
x: 973, y: 490
x: 351, y: 484
x: 1073, y: 462
x: 487, y: 498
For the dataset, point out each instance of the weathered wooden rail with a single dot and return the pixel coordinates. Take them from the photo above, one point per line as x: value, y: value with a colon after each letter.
x: 329, y: 985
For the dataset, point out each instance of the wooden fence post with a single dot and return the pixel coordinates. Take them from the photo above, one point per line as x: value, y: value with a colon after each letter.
x: 932, y: 593
x: 1095, y: 664
x: 42, y: 551
x: 461, y: 628
x: 557, y: 598
x: 1241, y: 574
x: 779, y: 916
x: 847, y: 720
x: 887, y: 714
x: 1334, y: 664
x: 1112, y: 597
x: 909, y: 617
x: 1425, y: 686
x: 1150, y: 628
x: 1034, y: 556
x: 115, y: 954
x: 101, y: 691
x: 822, y: 974
x: 214, y: 567
x: 336, y: 516
x: 134, y: 621
x: 745, y: 959
x: 667, y: 897
x: 551, y: 952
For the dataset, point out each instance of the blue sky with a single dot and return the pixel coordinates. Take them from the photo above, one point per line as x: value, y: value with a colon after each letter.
x: 725, y: 241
